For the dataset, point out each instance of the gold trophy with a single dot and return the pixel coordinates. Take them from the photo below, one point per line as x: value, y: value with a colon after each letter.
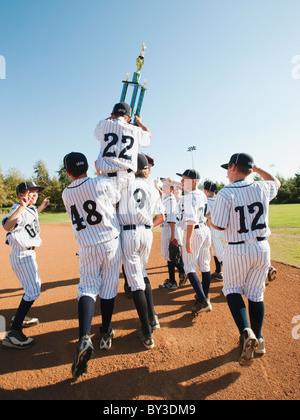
x: 136, y: 86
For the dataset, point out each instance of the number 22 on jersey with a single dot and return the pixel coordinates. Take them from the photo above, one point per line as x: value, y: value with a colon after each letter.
x: 112, y: 139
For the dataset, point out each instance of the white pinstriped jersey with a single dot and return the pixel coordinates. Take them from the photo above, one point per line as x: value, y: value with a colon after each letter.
x: 217, y: 248
x: 90, y: 203
x: 139, y: 201
x: 242, y: 209
x: 119, y: 145
x: 171, y: 209
x: 210, y: 203
x: 26, y: 233
x: 192, y: 208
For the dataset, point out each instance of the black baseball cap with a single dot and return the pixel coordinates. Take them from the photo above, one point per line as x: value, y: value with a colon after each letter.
x: 76, y: 160
x: 191, y: 173
x: 210, y: 186
x: 122, y: 109
x: 28, y: 186
x: 142, y: 162
x: 242, y: 159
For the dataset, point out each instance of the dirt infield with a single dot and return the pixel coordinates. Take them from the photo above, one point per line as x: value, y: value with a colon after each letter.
x: 193, y: 358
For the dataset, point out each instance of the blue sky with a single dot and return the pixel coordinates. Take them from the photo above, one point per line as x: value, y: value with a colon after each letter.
x: 220, y: 77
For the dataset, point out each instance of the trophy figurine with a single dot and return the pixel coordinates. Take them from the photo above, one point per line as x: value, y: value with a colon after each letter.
x: 136, y: 86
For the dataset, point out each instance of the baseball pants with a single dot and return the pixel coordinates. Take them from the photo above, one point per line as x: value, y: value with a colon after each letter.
x: 25, y: 268
x: 99, y: 268
x: 200, y: 244
x: 122, y: 179
x: 136, y: 247
x: 245, y: 268
x: 217, y: 248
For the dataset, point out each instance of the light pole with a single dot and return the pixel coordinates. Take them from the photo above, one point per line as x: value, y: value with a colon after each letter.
x: 192, y: 149
x: 273, y: 170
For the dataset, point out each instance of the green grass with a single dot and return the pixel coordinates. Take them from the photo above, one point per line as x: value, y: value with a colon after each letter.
x: 285, y: 216
x: 54, y: 218
x: 284, y: 221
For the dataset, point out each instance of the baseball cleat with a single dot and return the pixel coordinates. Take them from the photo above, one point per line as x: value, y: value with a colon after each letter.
x: 183, y: 278
x: 84, y: 350
x: 28, y: 322
x: 154, y: 322
x: 217, y: 276
x: 106, y: 340
x: 147, y: 340
x: 261, y: 348
x: 168, y: 285
x: 249, y: 345
x: 272, y: 273
x: 17, y: 340
x: 203, y: 306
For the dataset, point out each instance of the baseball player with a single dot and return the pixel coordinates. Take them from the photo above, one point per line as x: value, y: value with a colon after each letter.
x: 217, y: 248
x: 139, y: 201
x: 127, y: 289
x: 169, y: 234
x: 241, y: 211
x: 90, y: 203
x: 119, y: 144
x: 23, y: 236
x: 197, y: 239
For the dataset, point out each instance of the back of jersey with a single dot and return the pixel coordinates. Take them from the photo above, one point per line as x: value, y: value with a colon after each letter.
x: 171, y: 210
x: 192, y: 209
x: 119, y: 144
x: 242, y: 209
x: 90, y: 203
x: 138, y: 203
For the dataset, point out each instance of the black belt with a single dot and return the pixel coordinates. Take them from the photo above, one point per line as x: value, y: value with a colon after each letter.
x: 259, y: 239
x: 114, y: 174
x: 30, y: 249
x: 198, y: 226
x: 133, y: 227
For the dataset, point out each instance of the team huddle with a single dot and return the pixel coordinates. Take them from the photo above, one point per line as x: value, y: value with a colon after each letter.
x: 112, y: 217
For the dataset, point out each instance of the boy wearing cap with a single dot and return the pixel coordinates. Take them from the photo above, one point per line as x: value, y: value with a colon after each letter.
x: 241, y: 211
x: 217, y: 248
x: 197, y: 239
x: 23, y: 228
x: 169, y: 233
x: 139, y: 202
x: 119, y: 144
x: 90, y: 203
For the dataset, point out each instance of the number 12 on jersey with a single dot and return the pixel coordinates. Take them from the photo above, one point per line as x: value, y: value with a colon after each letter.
x: 254, y: 225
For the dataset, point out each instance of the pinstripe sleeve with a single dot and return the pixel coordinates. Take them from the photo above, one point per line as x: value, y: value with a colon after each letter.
x: 271, y: 188
x: 99, y: 131
x: 220, y: 211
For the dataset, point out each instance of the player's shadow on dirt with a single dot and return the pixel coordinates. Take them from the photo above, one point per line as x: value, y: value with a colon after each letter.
x: 11, y: 292
x: 129, y: 384
x: 59, y: 283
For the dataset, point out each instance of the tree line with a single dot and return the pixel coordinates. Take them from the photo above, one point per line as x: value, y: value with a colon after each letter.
x: 288, y: 193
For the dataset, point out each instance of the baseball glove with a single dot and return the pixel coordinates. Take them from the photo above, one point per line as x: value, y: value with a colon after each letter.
x: 272, y: 273
x: 175, y: 252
